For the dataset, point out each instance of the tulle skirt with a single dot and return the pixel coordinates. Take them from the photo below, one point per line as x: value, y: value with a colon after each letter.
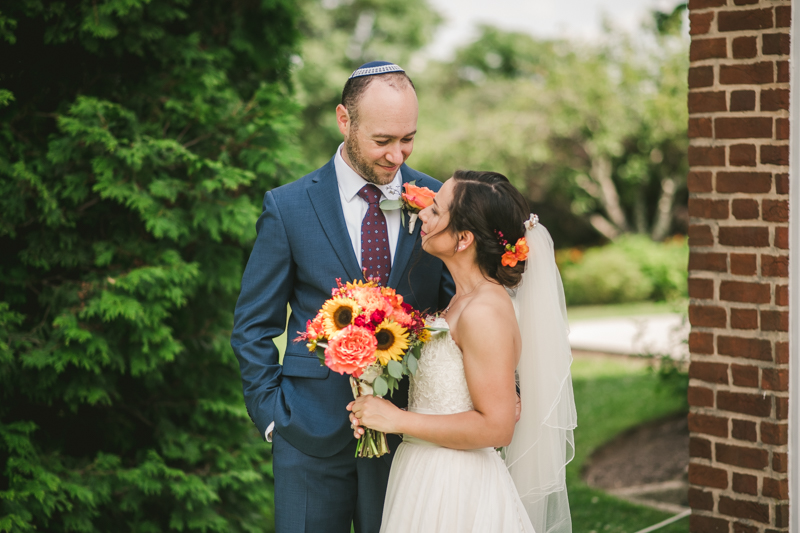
x: 434, y: 489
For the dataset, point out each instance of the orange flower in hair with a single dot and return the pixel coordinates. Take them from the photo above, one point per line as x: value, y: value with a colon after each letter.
x: 515, y: 253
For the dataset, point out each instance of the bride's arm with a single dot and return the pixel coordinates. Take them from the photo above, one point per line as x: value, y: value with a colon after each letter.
x: 489, y: 340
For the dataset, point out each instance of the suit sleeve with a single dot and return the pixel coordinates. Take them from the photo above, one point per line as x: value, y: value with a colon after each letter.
x: 260, y: 314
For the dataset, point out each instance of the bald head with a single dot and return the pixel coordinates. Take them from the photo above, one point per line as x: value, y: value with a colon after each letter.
x: 355, y: 88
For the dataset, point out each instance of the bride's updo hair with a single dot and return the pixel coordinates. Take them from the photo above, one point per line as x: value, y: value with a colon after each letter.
x: 485, y: 203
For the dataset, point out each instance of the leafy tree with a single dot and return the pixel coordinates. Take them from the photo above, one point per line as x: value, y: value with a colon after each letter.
x: 136, y: 141
x: 596, y: 134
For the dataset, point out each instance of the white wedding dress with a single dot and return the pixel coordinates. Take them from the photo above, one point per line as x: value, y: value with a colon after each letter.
x: 435, y: 489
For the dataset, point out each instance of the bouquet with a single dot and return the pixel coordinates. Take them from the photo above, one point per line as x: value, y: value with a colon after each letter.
x: 413, y: 200
x: 368, y: 332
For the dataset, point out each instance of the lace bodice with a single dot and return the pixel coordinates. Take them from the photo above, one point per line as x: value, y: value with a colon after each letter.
x: 439, y: 385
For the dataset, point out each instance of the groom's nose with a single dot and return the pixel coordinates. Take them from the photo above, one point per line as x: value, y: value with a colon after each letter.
x: 394, y: 154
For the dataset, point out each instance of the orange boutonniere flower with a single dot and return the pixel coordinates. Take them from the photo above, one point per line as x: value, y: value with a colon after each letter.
x: 516, y: 253
x: 417, y: 198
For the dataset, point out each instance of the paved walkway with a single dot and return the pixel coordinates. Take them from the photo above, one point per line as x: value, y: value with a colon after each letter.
x: 665, y: 334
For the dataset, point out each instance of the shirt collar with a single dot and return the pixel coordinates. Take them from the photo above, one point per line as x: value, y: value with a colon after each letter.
x: 350, y: 182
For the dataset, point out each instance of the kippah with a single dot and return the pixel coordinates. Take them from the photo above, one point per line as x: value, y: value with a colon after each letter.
x: 375, y: 67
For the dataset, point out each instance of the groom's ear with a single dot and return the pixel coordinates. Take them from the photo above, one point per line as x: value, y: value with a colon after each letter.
x: 343, y: 120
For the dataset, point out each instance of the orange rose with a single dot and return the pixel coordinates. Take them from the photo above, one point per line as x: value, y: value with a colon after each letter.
x: 351, y: 350
x: 417, y: 198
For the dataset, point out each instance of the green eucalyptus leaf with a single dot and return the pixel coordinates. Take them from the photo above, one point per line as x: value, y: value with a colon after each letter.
x: 391, y: 205
x: 380, y: 387
x: 395, y: 369
x: 412, y: 365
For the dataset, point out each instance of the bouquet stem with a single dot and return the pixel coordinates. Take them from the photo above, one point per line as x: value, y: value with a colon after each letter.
x: 372, y: 443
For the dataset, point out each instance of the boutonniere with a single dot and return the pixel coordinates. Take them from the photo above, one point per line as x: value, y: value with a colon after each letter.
x: 413, y: 200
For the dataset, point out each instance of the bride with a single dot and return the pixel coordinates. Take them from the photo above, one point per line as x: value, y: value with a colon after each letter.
x: 447, y: 475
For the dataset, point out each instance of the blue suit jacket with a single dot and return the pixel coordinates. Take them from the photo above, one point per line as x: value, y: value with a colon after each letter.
x: 301, y: 249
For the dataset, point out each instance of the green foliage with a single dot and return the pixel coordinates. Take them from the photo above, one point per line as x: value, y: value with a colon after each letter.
x: 631, y: 269
x: 136, y: 141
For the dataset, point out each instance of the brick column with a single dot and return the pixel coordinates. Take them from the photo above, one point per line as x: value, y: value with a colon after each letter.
x: 738, y: 265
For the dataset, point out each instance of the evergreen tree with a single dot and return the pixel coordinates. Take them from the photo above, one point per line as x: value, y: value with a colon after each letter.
x: 137, y: 138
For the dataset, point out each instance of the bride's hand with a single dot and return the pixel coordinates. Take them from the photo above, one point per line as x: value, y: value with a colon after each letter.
x: 373, y: 413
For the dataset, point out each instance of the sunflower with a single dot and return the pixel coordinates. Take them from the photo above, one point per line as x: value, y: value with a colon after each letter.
x: 338, y: 313
x: 392, y: 341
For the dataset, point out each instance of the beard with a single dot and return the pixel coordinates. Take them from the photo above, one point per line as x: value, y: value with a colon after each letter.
x: 361, y: 165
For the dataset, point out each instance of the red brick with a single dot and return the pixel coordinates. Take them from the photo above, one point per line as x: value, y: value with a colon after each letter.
x: 776, y: 488
x: 748, y: 404
x: 775, y: 210
x: 701, y: 77
x: 775, y: 44
x: 700, y: 235
x: 744, y: 47
x: 742, y: 155
x: 782, y: 353
x: 705, y: 156
x: 752, y: 236
x: 700, y: 397
x: 776, y: 379
x: 783, y: 16
x: 701, y: 288
x: 700, y: 499
x: 701, y: 49
x: 707, y: 317
x: 741, y: 291
x: 699, y: 447
x: 775, y: 155
x: 774, y: 99
x: 777, y: 434
x: 699, y: 181
x: 750, y: 19
x: 775, y: 266
x: 705, y: 4
x: 781, y: 239
x: 710, y: 372
x: 741, y: 527
x: 752, y: 458
x: 745, y: 484
x: 780, y: 462
x: 702, y: 208
x: 707, y: 524
x: 782, y: 408
x: 743, y: 127
x: 782, y: 183
x: 700, y: 342
x: 707, y: 102
x: 709, y: 425
x: 743, y: 264
x: 700, y: 127
x: 700, y: 23
x: 744, y: 430
x: 744, y: 509
x: 774, y: 321
x: 783, y: 71
x: 781, y: 518
x: 711, y: 261
x: 747, y: 73
x: 744, y: 319
x: 707, y: 476
x: 744, y: 209
x: 741, y: 347
x: 782, y: 129
x: 782, y: 295
x: 745, y: 376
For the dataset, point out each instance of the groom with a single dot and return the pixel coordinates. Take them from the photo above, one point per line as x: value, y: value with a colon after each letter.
x: 325, y: 226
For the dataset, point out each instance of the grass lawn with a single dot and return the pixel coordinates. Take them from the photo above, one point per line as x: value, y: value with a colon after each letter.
x: 611, y: 395
x: 583, y: 312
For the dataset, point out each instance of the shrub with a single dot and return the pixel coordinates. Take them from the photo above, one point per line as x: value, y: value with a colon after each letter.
x: 630, y: 269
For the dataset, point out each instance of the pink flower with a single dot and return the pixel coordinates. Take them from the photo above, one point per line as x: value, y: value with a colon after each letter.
x: 351, y: 350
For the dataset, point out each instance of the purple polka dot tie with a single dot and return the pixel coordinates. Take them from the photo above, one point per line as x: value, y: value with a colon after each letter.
x: 376, y: 259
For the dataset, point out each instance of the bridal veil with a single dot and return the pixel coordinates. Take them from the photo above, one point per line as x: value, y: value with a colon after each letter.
x: 543, y: 440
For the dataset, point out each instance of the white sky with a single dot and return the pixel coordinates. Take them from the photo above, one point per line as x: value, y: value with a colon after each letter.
x: 543, y: 18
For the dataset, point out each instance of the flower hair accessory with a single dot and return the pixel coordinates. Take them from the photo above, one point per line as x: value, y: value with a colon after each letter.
x: 531, y: 222
x: 514, y: 253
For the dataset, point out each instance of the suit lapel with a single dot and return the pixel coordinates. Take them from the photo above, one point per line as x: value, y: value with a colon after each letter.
x: 405, y: 241
x: 324, y: 195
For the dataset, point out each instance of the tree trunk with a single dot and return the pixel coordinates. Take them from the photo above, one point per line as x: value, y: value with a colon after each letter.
x: 664, y: 211
x: 601, y: 173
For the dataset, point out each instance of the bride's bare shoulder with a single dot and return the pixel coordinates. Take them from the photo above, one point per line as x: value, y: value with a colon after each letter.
x: 489, y: 316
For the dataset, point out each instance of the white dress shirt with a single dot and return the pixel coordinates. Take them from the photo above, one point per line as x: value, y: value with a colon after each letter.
x: 355, y: 208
